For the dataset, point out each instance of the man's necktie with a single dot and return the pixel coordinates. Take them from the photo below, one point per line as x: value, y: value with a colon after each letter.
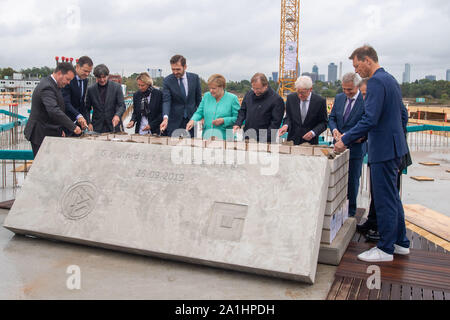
x: 303, y: 111
x: 80, y: 85
x: 348, y: 109
x: 183, y: 93
x: 183, y: 89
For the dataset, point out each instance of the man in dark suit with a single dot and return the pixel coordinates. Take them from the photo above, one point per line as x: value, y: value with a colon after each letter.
x: 106, y: 100
x: 382, y: 122
x: 347, y: 111
x: 147, y: 107
x: 306, y: 114
x: 47, y: 117
x: 262, y: 109
x: 75, y: 92
x: 182, y: 94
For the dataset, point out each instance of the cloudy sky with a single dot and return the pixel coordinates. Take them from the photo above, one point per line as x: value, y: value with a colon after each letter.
x: 235, y: 37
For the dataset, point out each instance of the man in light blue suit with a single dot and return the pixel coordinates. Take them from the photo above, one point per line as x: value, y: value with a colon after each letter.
x: 347, y: 111
x: 382, y: 122
x: 182, y: 94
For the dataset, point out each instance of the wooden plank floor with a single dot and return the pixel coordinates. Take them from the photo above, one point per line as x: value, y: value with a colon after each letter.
x: 423, y: 275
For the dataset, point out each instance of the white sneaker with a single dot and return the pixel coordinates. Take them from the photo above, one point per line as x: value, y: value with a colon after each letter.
x: 375, y: 255
x: 401, y: 250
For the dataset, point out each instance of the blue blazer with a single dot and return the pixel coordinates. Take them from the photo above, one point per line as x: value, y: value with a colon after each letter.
x: 174, y: 102
x: 74, y: 102
x: 383, y: 120
x: 336, y: 121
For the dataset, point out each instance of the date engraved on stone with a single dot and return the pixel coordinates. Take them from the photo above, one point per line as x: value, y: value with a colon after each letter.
x: 79, y: 200
x: 227, y: 221
x: 155, y: 175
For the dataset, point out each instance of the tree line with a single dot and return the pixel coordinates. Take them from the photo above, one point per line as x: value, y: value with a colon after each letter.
x: 431, y: 90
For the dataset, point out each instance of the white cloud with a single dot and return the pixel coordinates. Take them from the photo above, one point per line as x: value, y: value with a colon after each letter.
x: 236, y: 38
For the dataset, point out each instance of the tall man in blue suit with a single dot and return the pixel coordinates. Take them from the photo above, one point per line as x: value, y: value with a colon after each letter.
x: 382, y: 122
x: 347, y: 111
x: 182, y: 94
x: 75, y: 92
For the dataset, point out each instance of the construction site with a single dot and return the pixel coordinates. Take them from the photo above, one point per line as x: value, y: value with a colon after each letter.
x: 36, y: 264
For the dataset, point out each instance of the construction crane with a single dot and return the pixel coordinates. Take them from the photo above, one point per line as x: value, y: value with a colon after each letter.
x: 289, y: 44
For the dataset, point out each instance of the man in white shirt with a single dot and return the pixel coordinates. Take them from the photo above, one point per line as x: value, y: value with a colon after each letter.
x: 306, y: 114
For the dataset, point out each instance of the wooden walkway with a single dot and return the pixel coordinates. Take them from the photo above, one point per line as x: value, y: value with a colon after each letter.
x: 423, y: 275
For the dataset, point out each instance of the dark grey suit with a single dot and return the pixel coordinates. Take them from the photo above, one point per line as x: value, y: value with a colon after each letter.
x: 103, y: 113
x: 316, y: 119
x: 47, y: 117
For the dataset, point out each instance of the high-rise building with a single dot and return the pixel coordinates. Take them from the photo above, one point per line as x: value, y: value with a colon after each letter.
x: 332, y: 72
x: 340, y: 71
x: 322, y: 77
x: 155, y: 73
x: 315, y: 69
x: 314, y: 76
x: 431, y: 77
x: 407, y: 73
x: 275, y: 76
x: 448, y: 75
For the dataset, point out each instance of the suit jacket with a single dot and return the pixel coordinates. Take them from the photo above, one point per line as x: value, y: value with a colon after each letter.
x: 74, y: 102
x: 316, y: 119
x: 104, y: 113
x: 154, y: 117
x: 174, y: 102
x: 336, y: 120
x: 383, y: 119
x: 261, y: 113
x: 47, y: 117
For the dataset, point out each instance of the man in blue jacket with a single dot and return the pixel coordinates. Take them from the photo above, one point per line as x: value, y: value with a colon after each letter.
x: 182, y: 94
x: 347, y: 111
x: 75, y: 92
x: 382, y: 123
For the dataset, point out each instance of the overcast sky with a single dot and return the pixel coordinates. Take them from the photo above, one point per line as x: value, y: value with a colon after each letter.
x: 235, y: 37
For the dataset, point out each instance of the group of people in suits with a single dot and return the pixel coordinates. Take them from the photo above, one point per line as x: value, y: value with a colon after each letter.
x: 374, y: 113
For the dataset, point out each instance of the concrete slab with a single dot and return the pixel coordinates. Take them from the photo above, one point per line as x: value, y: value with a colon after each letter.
x: 37, y: 269
x: 133, y: 197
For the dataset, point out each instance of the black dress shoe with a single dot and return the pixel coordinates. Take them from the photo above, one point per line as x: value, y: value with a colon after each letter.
x: 364, y: 228
x: 372, y: 236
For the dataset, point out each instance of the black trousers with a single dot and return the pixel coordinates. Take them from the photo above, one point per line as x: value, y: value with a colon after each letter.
x: 35, y: 148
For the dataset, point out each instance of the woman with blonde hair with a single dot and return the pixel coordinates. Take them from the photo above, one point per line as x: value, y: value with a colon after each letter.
x: 147, y: 111
x: 218, y: 108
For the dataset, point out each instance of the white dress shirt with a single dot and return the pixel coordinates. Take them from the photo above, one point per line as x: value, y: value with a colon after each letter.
x: 144, y: 121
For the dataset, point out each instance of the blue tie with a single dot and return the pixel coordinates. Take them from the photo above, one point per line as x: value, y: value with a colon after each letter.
x: 348, y: 109
x: 80, y: 85
x: 183, y: 93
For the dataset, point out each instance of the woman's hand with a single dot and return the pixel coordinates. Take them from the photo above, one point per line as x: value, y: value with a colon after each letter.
x: 218, y: 122
x: 130, y: 124
x: 190, y: 125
